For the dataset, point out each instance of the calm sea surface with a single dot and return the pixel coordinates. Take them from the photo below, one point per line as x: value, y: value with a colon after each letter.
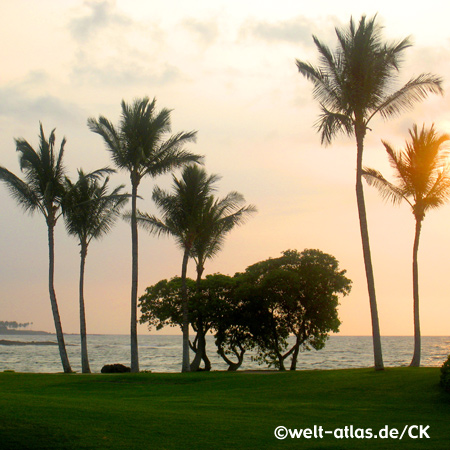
x: 163, y: 353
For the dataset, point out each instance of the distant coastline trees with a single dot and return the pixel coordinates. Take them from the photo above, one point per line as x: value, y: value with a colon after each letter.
x: 5, y: 325
x: 352, y: 85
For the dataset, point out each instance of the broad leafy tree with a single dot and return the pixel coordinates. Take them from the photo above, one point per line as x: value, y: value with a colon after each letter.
x: 90, y: 211
x: 213, y: 299
x: 42, y: 190
x: 422, y: 179
x: 353, y: 84
x: 296, y: 294
x: 142, y: 145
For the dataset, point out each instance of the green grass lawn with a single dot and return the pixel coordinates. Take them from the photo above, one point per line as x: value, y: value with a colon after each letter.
x: 220, y: 410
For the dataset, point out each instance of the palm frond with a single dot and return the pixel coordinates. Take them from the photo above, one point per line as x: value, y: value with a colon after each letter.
x: 20, y: 191
x: 414, y: 91
x: 329, y: 124
x: 152, y: 224
x: 387, y: 190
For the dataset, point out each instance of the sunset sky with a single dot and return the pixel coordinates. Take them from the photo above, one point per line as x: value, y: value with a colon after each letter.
x: 227, y: 69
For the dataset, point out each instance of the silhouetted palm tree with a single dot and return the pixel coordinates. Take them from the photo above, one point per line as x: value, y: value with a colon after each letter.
x: 89, y: 212
x: 182, y: 217
x: 43, y: 191
x: 141, y: 145
x: 219, y: 217
x: 352, y: 85
x: 423, y: 181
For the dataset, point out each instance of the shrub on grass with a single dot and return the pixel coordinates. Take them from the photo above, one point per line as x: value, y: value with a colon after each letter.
x: 115, y: 368
x: 445, y: 375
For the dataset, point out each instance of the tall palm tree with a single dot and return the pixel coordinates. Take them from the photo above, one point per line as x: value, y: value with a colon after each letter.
x: 89, y: 213
x: 219, y: 217
x: 142, y: 145
x: 42, y: 190
x: 423, y: 181
x: 352, y: 85
x: 182, y: 217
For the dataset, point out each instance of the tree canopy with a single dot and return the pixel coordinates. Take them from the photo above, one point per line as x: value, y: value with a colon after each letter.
x: 296, y: 295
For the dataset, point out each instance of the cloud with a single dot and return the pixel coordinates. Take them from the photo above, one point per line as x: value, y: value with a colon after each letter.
x: 113, y: 74
x: 112, y: 49
x: 101, y: 15
x: 292, y: 31
x: 205, y: 32
x: 16, y: 102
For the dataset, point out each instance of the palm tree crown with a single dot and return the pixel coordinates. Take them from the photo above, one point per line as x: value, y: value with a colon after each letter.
x: 43, y: 187
x: 354, y: 83
x: 219, y: 217
x: 140, y: 143
x: 89, y: 209
x: 420, y: 170
x: 183, y: 209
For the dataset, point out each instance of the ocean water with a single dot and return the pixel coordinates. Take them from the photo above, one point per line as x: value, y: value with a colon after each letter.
x: 163, y: 353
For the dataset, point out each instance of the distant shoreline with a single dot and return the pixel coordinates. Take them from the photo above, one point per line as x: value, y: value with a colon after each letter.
x: 6, y: 331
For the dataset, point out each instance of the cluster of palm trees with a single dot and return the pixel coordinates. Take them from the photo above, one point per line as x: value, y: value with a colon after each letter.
x: 88, y: 208
x: 142, y: 145
x: 353, y: 85
x: 199, y: 223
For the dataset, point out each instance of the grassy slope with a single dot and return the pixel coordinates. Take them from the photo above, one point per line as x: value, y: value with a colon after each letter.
x: 218, y: 410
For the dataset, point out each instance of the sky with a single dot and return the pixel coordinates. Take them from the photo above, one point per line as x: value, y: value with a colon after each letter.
x: 226, y: 69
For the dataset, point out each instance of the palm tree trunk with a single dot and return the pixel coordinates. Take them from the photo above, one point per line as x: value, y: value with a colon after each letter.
x: 377, y: 351
x: 54, y: 303
x: 416, y: 356
x: 134, y: 279
x: 84, y: 350
x: 185, y: 367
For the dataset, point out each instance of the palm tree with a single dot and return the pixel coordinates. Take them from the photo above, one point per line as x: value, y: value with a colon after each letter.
x: 42, y: 190
x: 352, y: 85
x: 219, y: 217
x: 423, y: 181
x: 141, y: 145
x: 182, y: 217
x: 89, y: 212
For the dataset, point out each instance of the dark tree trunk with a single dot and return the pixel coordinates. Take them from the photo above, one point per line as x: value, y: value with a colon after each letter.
x: 134, y: 278
x: 295, y: 355
x: 200, y: 352
x: 417, y: 344
x: 232, y: 366
x: 206, y: 360
x: 185, y: 366
x: 83, y: 335
x: 360, y: 131
x: 200, y: 348
x: 53, y: 301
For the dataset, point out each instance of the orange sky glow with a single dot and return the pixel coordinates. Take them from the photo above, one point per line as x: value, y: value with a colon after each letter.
x: 229, y: 72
